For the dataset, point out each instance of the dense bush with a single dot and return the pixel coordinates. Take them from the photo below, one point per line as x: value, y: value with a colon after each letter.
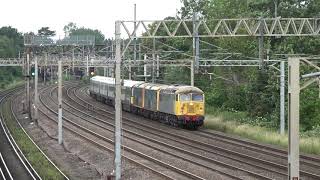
x: 11, y: 43
x: 250, y: 90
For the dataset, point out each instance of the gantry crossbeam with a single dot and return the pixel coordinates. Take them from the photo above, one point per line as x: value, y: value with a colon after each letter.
x: 103, y: 62
x: 11, y: 62
x: 224, y: 27
x: 79, y: 40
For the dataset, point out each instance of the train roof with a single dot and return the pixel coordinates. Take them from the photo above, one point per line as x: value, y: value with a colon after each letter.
x: 182, y: 89
x: 130, y: 83
x: 103, y: 79
x: 109, y: 80
x: 152, y: 86
x: 177, y: 89
x: 188, y: 89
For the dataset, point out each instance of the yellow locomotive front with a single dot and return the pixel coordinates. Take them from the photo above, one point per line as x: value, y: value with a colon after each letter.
x: 190, y: 106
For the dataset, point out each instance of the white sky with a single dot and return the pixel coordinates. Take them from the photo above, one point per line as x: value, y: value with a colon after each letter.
x: 31, y: 15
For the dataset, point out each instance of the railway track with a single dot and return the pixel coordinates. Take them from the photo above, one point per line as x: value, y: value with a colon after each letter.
x: 202, y: 157
x: 206, y: 160
x: 173, y: 168
x: 24, y: 170
x: 278, y: 166
x: 13, y: 163
x: 100, y: 141
x: 279, y: 153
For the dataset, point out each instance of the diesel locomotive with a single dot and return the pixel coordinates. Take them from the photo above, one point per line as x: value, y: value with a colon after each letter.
x: 177, y: 105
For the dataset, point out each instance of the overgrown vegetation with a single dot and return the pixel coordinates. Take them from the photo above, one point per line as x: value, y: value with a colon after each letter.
x: 43, y: 167
x: 238, y: 123
x: 11, y: 44
x: 248, y: 91
x: 245, y: 100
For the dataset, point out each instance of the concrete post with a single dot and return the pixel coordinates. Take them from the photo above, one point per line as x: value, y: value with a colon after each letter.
x: 153, y: 60
x: 140, y: 57
x: 135, y: 39
x: 66, y: 73
x: 87, y: 73
x: 192, y: 73
x: 51, y: 74
x: 130, y: 73
x: 28, y: 87
x: 319, y: 86
x: 73, y: 61
x: 261, y: 48
x: 36, y: 97
x: 282, y: 98
x: 24, y: 72
x: 60, y: 136
x: 117, y: 160
x: 45, y: 69
x: 196, y: 50
x: 145, y: 68
x: 158, y: 66
x: 112, y: 49
x: 294, y: 95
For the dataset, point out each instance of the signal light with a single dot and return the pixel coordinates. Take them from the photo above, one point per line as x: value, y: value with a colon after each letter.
x: 91, y: 71
x: 32, y: 69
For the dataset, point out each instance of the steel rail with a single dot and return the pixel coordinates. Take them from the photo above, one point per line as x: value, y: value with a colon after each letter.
x: 164, y: 144
x: 24, y: 161
x: 186, y: 174
x: 34, y: 144
x: 257, y: 147
x: 5, y: 173
x: 212, y: 146
x: 177, y: 148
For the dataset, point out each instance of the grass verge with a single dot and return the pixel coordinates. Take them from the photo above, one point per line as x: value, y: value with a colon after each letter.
x: 13, y: 84
x: 226, y: 122
x: 43, y: 167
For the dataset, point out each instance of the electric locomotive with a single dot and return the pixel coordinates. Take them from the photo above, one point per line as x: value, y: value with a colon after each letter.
x: 177, y: 105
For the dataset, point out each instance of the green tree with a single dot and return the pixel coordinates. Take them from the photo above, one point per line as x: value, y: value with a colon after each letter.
x: 256, y: 92
x: 71, y: 29
x: 45, y: 31
x: 14, y: 44
x: 11, y: 42
x: 7, y: 48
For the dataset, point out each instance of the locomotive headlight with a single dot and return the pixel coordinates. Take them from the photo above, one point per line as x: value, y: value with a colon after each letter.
x: 190, y: 104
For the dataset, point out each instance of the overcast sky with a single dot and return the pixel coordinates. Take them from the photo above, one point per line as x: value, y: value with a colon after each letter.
x: 31, y: 15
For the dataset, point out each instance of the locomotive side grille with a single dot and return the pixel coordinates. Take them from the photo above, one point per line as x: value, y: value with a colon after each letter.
x: 191, y: 109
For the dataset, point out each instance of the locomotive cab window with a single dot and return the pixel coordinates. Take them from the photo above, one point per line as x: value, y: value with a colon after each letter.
x: 185, y: 97
x: 197, y: 97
